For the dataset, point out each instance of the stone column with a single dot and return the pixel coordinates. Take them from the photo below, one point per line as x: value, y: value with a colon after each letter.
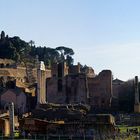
x: 12, y: 121
x: 6, y: 128
x: 137, y: 104
x: 136, y: 90
x: 41, y: 83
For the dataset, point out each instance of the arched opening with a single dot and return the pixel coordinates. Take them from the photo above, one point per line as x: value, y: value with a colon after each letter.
x: 60, y: 70
x: 10, y: 84
x: 7, y: 65
x: 103, y: 103
x: 1, y: 84
x: 2, y: 65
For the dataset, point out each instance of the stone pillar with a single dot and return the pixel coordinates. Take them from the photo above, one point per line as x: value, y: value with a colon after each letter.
x: 11, y: 117
x: 41, y: 83
x: 137, y: 103
x: 6, y: 128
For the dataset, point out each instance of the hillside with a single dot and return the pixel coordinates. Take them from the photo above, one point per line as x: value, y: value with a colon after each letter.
x: 21, y: 51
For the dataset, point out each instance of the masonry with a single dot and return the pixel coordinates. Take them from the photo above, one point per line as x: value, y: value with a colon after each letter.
x: 76, y: 86
x: 65, y: 85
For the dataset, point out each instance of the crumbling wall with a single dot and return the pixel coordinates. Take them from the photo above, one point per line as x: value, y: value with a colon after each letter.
x: 100, y: 90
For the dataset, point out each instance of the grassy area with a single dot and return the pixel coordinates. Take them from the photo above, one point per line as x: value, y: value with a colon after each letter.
x: 123, y: 128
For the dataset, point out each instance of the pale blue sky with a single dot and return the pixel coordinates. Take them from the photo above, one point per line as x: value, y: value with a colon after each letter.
x: 104, y: 34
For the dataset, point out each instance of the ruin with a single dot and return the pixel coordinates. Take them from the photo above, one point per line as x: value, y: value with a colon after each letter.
x: 70, y: 85
x: 62, y: 84
x: 137, y: 103
x: 41, y: 83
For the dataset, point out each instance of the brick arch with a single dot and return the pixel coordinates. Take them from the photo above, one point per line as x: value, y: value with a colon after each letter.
x: 1, y: 65
x: 7, y: 65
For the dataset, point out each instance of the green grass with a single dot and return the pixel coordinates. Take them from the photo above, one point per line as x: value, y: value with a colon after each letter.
x: 123, y: 128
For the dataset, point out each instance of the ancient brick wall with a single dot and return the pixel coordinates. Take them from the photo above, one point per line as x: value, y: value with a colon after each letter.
x: 53, y: 95
x: 73, y: 89
x: 15, y: 96
x: 74, y: 69
x: 6, y: 63
x: 100, y: 90
x: 76, y: 89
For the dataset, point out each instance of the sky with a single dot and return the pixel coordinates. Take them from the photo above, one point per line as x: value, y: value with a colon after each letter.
x: 104, y: 34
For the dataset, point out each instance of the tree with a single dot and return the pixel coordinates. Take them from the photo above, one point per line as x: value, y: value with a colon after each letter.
x: 51, y: 56
x: 66, y: 54
x: 31, y: 43
x: 65, y: 51
x: 21, y: 51
x: 69, y: 60
x: 2, y: 35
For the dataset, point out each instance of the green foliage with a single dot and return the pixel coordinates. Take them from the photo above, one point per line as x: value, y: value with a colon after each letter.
x: 66, y: 54
x: 2, y: 35
x: 17, y: 49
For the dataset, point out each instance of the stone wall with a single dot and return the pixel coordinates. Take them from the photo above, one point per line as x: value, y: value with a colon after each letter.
x: 79, y: 88
x: 53, y: 95
x: 73, y: 89
x: 70, y: 85
x: 6, y: 63
x: 19, y: 74
x: 74, y: 69
x: 17, y: 97
x: 76, y: 89
x: 100, y: 90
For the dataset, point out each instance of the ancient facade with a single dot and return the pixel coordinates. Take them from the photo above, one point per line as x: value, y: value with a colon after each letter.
x: 64, y: 84
x: 18, y: 97
x: 100, y: 90
x: 117, y: 86
x: 14, y: 78
x: 123, y: 95
x: 6, y: 63
x: 71, y: 85
x: 19, y: 75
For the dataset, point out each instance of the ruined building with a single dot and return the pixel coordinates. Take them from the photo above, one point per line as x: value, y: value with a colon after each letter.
x: 64, y: 85
x: 18, y: 85
x: 72, y: 85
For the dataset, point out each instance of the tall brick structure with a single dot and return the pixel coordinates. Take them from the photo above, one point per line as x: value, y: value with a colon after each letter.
x: 137, y: 102
x: 100, y: 90
x: 71, y: 85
